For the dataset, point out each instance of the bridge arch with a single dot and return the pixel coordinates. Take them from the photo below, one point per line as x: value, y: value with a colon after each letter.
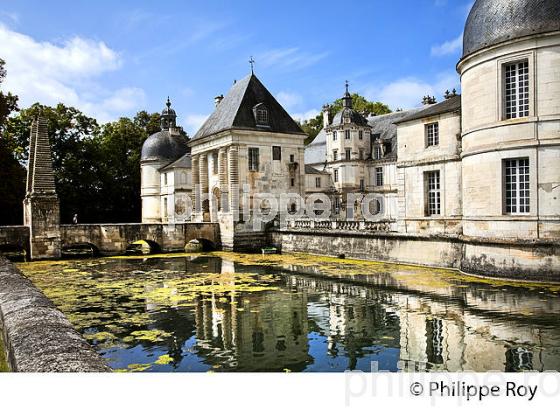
x: 78, y: 249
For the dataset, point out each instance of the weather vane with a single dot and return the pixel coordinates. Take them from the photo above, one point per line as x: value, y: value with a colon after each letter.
x: 252, y: 62
x: 346, y: 85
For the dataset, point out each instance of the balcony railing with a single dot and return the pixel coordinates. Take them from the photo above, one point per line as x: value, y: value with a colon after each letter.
x: 361, y: 226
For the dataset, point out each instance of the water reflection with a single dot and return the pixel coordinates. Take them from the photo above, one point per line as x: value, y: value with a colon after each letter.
x: 211, y: 314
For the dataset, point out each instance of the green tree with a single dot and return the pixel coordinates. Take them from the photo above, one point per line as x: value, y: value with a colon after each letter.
x: 8, y: 102
x: 313, y: 126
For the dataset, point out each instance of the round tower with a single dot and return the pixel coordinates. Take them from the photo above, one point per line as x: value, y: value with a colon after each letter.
x: 159, y: 150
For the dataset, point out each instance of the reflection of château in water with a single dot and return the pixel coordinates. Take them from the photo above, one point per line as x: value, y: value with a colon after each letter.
x: 477, y: 328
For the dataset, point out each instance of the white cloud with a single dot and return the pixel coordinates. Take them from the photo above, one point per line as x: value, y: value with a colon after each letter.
x: 408, y: 92
x: 289, y: 100
x: 13, y: 17
x: 303, y: 116
x: 50, y: 73
x: 449, y: 47
x: 289, y: 58
x: 193, y: 122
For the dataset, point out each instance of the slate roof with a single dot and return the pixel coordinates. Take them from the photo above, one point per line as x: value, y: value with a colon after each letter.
x: 316, y: 152
x: 183, y: 162
x: 235, y: 111
x: 355, y: 117
x: 164, y: 146
x: 453, y: 104
x: 491, y: 22
x: 310, y: 170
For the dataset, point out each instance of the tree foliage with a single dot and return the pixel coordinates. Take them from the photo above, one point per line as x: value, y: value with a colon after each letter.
x: 97, y: 168
x: 313, y: 126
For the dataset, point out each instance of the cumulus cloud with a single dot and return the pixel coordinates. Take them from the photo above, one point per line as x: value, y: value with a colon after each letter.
x: 289, y: 100
x: 408, y: 92
x: 50, y: 73
x: 449, y: 47
x: 304, y: 116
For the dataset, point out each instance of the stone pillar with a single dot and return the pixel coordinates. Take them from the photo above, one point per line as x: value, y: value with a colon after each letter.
x: 233, y: 173
x: 203, y: 175
x: 41, y: 205
x: 223, y: 176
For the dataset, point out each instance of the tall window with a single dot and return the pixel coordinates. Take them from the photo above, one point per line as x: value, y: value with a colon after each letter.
x: 336, y: 175
x: 292, y: 158
x: 362, y: 184
x: 517, y: 186
x: 334, y: 136
x: 348, y: 154
x: 433, y: 193
x: 292, y: 182
x: 432, y: 134
x: 361, y: 154
x: 379, y: 176
x: 165, y: 179
x: 377, y: 154
x: 516, y: 90
x: 335, y: 155
x: 361, y: 135
x: 276, y: 153
x: 317, y: 182
x: 214, y: 163
x: 262, y: 116
x: 253, y: 159
x: 347, y: 134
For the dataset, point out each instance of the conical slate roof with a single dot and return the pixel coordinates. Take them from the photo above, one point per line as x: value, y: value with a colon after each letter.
x: 492, y: 22
x: 236, y: 111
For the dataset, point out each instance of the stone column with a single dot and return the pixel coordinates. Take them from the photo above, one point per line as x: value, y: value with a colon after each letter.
x: 233, y: 173
x: 223, y: 176
x: 195, y: 186
x: 41, y: 204
x: 203, y: 175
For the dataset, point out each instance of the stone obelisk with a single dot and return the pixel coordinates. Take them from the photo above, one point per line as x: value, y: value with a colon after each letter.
x: 41, y: 205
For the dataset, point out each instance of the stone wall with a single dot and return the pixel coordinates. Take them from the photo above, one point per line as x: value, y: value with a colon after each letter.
x: 520, y: 260
x: 37, y: 336
x: 15, y: 236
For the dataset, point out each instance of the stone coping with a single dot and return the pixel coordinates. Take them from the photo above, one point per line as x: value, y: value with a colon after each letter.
x: 416, y: 236
x: 38, y: 337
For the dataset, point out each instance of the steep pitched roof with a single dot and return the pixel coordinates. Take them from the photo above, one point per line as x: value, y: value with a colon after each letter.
x: 183, y: 162
x: 451, y: 105
x: 235, y: 111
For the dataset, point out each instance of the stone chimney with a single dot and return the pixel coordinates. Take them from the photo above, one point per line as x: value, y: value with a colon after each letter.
x: 218, y: 99
x: 326, y: 115
x: 41, y: 207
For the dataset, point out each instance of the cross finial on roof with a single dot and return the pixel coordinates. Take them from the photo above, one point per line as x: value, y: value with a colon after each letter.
x: 168, y: 103
x: 252, y: 62
x: 347, y: 83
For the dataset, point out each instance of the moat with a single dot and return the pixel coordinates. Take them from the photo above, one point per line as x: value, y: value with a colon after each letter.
x: 231, y: 312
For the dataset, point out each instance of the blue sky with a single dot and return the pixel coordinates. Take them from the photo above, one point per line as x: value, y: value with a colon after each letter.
x: 111, y: 59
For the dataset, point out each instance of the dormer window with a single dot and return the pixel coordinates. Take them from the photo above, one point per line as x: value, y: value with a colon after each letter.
x: 261, y: 115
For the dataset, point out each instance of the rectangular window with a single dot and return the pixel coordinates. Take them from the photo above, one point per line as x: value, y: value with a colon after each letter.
x: 377, y: 153
x: 361, y: 135
x: 292, y: 158
x: 335, y: 155
x: 334, y: 135
x: 165, y: 179
x: 516, y: 173
x: 432, y: 134
x: 317, y: 182
x: 516, y: 90
x: 379, y: 176
x: 348, y: 154
x: 292, y: 182
x: 276, y: 153
x: 253, y: 159
x: 362, y: 184
x: 215, y: 163
x: 361, y: 154
x: 336, y: 175
x: 433, y: 193
x: 347, y: 134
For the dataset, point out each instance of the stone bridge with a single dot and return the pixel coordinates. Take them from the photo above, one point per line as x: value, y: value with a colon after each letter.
x: 113, y: 239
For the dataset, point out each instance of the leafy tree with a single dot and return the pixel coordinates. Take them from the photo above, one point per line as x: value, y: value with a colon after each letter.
x: 8, y: 102
x: 313, y: 126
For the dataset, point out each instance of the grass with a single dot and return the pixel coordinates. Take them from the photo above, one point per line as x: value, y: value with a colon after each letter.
x: 3, y: 363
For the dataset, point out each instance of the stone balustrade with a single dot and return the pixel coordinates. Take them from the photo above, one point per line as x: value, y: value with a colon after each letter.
x: 363, y: 226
